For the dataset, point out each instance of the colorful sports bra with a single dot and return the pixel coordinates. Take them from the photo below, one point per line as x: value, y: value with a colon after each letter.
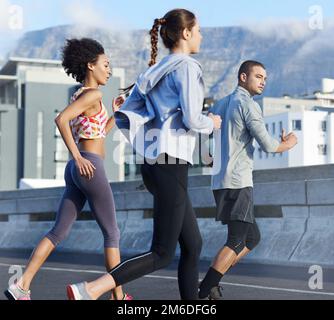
x: 93, y: 127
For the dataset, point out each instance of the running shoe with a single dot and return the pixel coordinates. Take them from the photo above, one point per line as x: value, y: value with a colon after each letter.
x: 14, y: 292
x: 127, y: 297
x: 216, y: 293
x: 77, y: 292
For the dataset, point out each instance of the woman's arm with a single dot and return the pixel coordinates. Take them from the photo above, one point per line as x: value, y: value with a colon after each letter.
x: 187, y: 80
x: 116, y: 105
x: 110, y: 124
x: 85, y: 101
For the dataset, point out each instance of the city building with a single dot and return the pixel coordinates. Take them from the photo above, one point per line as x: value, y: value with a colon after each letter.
x: 315, y: 133
x: 320, y: 100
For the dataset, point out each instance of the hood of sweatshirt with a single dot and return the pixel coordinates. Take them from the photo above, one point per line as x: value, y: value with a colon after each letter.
x: 149, y: 79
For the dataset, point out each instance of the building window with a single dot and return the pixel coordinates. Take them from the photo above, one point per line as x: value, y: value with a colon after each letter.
x: 288, y: 106
x: 260, y: 153
x: 322, y: 149
x: 2, y: 95
x: 57, y: 133
x: 323, y: 126
x: 132, y: 170
x: 296, y: 125
x: 11, y: 93
x: 39, y: 162
x: 60, y: 169
x: 274, y: 128
x: 61, y: 155
x: 0, y: 152
x: 280, y: 127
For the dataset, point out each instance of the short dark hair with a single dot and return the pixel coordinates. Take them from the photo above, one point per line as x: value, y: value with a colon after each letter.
x: 247, y: 66
x: 77, y: 54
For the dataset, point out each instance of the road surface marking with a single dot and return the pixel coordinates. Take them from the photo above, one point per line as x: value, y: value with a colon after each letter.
x: 175, y: 278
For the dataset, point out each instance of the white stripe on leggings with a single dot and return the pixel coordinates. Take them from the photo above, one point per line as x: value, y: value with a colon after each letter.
x: 132, y: 259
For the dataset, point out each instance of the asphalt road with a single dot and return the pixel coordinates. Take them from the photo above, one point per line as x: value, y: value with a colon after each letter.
x: 243, y: 282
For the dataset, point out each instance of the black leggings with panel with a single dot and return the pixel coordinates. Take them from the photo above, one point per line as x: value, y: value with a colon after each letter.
x: 174, y: 221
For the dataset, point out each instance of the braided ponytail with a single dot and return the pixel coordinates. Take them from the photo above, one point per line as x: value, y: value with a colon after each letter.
x: 154, y: 33
x: 172, y: 26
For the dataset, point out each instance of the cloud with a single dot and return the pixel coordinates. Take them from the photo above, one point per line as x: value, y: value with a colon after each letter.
x: 292, y: 31
x: 85, y: 13
x: 86, y: 16
x: 286, y: 29
x: 321, y: 41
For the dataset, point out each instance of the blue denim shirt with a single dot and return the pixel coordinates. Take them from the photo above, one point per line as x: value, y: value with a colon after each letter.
x: 163, y: 114
x: 242, y: 123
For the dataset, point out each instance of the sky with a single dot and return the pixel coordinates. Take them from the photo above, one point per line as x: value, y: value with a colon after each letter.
x: 27, y: 15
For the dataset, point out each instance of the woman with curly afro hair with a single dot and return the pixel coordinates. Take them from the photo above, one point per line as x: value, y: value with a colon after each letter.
x: 84, y: 125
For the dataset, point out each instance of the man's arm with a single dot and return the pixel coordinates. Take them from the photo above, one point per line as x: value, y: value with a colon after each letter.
x: 255, y: 123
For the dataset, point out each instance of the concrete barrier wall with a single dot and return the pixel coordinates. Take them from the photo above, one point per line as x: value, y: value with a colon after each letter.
x: 302, y: 235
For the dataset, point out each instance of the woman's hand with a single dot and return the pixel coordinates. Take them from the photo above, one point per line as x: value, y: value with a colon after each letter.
x: 217, y: 120
x: 117, y: 103
x: 86, y: 168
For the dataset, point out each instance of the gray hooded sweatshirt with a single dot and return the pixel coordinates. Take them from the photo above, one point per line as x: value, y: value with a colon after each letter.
x: 163, y: 114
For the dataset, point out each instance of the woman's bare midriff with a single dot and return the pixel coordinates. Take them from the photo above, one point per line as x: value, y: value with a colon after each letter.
x: 93, y: 146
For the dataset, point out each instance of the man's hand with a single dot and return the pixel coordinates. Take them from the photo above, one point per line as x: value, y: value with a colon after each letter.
x: 288, y: 142
x: 285, y: 137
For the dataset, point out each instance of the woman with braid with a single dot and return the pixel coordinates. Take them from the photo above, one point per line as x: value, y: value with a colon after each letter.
x: 84, y: 125
x: 167, y: 98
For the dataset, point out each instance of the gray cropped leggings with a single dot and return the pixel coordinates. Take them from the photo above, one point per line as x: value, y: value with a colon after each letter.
x: 100, y: 198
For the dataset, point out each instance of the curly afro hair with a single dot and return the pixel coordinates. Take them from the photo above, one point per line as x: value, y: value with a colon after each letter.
x: 77, y: 54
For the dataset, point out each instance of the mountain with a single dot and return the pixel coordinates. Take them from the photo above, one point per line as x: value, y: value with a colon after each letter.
x: 296, y: 57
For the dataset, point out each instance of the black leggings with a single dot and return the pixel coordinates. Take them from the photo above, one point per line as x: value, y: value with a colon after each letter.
x: 174, y: 221
x: 242, y: 234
